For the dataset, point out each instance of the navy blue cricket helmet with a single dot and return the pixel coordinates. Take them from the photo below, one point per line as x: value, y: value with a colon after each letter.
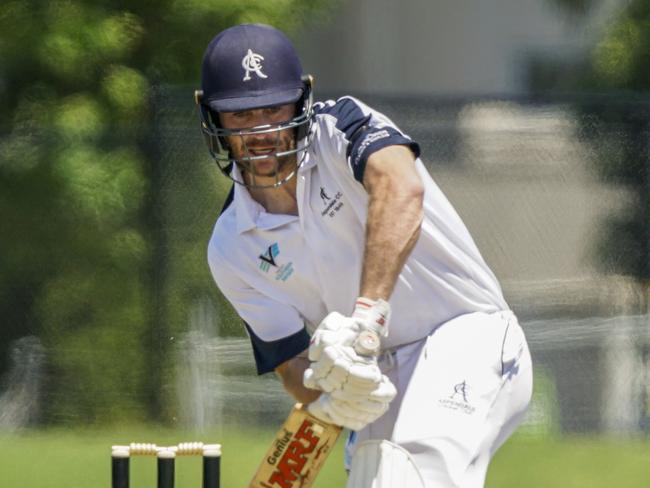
x: 247, y: 67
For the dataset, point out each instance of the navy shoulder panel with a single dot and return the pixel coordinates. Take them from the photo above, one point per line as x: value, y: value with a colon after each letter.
x: 350, y: 119
x: 364, y: 135
x: 270, y: 355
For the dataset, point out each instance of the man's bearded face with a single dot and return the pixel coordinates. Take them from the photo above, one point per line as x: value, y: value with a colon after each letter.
x: 264, y: 143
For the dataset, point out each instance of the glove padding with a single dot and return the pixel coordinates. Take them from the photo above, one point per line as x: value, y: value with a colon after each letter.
x: 337, y: 329
x: 341, y: 367
x: 352, y: 411
x: 335, y: 362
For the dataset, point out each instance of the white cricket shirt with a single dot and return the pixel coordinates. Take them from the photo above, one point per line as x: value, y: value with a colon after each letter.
x: 284, y: 273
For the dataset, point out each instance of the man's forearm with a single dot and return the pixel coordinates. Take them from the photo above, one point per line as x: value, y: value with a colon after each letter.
x: 291, y: 373
x: 394, y: 218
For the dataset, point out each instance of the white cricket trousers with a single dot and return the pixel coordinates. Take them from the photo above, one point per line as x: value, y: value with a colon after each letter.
x: 462, y: 391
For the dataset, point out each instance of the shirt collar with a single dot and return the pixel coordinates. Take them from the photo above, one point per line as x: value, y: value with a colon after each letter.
x: 310, y: 160
x: 251, y: 214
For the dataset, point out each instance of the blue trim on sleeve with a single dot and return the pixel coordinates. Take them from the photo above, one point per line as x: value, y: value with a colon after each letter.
x: 270, y: 355
x: 364, y: 139
x: 372, y: 140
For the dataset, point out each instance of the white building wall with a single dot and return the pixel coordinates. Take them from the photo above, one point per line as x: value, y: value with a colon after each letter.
x: 449, y: 47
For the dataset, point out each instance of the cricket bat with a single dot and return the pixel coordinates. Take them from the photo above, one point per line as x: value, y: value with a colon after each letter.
x: 297, y: 453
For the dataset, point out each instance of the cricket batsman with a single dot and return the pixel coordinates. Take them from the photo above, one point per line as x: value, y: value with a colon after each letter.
x: 356, y: 280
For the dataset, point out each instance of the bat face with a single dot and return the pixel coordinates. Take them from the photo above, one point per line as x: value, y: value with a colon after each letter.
x: 298, y: 452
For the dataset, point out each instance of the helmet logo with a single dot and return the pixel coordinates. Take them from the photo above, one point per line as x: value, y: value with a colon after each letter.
x: 251, y: 62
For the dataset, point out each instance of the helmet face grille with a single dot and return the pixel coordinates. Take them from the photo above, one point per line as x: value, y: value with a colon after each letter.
x: 216, y: 139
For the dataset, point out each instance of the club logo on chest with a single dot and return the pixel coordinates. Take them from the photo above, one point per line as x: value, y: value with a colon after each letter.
x: 331, y: 205
x: 268, y: 259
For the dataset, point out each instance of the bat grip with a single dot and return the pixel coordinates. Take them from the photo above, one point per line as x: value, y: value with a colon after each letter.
x: 367, y: 343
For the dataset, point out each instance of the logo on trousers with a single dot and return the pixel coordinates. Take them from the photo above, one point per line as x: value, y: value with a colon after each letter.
x: 458, y: 399
x: 460, y: 389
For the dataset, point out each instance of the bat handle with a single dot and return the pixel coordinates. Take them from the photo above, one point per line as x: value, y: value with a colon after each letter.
x: 367, y: 343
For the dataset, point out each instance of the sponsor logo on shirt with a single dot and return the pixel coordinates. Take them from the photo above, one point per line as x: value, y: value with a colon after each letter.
x: 268, y: 259
x: 324, y: 196
x: 458, y: 399
x: 332, y: 204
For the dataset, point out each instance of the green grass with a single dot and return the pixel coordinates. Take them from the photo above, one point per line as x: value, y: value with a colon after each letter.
x: 81, y: 458
x: 571, y: 462
x: 73, y: 458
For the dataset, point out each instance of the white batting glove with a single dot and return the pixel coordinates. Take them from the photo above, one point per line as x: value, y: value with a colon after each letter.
x: 340, y: 409
x: 334, y: 330
x: 372, y: 315
x: 337, y: 329
x: 340, y: 366
x: 341, y: 348
x: 384, y: 392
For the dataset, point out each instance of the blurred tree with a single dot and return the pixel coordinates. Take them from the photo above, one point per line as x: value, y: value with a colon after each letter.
x: 618, y: 128
x: 83, y: 198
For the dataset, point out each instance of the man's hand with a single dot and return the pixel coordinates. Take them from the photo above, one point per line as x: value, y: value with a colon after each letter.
x: 340, y: 356
x: 341, y: 367
x: 337, y: 329
x: 354, y: 411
